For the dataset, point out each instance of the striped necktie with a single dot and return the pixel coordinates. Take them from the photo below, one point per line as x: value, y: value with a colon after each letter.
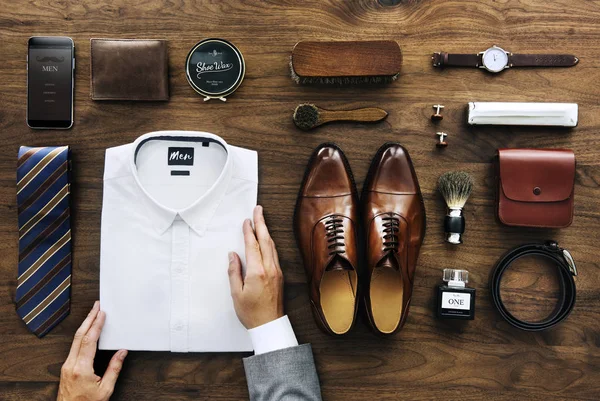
x: 44, y: 278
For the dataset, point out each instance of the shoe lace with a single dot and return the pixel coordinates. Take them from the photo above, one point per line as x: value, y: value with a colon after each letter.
x: 391, y: 228
x: 335, y: 234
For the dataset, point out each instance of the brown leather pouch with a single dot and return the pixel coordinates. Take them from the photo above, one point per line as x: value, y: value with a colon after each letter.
x: 536, y: 187
x: 129, y: 69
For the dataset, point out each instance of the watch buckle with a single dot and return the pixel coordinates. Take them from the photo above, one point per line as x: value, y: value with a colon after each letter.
x: 437, y: 59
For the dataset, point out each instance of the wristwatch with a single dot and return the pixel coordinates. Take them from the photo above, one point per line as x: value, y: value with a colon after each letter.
x: 496, y: 59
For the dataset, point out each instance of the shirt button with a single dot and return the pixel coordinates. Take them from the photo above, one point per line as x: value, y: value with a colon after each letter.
x: 179, y: 269
x: 179, y: 327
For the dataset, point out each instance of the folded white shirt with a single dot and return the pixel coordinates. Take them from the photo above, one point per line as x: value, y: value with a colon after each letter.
x: 173, y: 207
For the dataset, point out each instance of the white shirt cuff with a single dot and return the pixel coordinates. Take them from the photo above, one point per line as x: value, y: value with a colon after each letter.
x: 275, y: 335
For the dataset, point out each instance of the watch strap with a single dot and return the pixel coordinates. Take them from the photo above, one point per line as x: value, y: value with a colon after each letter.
x: 543, y: 60
x: 443, y: 59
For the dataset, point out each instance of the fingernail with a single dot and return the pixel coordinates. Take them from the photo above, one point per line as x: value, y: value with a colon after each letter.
x: 96, y: 304
x: 231, y: 257
x: 122, y: 354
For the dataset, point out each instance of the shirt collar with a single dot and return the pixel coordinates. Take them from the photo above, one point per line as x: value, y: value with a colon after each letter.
x: 199, y: 214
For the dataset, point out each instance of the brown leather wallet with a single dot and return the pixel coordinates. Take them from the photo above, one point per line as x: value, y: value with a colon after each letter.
x: 129, y: 69
x: 536, y: 187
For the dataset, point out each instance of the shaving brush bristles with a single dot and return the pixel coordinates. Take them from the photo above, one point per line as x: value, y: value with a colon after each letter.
x: 455, y: 187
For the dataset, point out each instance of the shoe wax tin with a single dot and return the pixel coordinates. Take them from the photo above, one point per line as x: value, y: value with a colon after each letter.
x: 215, y: 68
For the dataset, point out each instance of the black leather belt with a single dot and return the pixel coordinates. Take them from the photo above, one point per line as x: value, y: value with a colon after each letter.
x: 566, y: 267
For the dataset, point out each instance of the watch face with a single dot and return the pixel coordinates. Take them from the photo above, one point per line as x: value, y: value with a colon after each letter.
x: 495, y: 59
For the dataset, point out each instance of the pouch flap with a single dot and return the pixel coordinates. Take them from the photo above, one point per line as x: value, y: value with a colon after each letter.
x: 537, y: 175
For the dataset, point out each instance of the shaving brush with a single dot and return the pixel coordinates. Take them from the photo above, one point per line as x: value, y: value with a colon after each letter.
x: 455, y: 187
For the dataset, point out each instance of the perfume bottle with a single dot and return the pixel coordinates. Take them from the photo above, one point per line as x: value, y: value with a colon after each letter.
x: 455, y: 299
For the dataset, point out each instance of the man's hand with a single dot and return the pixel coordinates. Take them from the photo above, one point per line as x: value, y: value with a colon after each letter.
x: 77, y: 378
x: 258, y: 297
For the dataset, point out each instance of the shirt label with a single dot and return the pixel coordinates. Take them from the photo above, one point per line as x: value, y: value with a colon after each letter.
x: 456, y: 300
x: 180, y: 157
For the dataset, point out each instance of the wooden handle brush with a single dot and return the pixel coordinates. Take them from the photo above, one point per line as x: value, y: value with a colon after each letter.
x: 309, y: 116
x: 455, y: 187
x: 346, y: 62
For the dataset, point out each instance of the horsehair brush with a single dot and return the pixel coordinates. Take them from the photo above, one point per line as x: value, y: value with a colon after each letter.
x: 455, y: 187
x: 346, y: 63
x: 308, y: 116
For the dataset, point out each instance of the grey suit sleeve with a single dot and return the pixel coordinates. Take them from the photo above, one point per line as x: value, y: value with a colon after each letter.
x: 287, y: 374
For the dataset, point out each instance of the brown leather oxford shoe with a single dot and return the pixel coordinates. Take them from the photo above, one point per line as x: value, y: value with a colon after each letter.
x: 325, y: 224
x: 394, y: 224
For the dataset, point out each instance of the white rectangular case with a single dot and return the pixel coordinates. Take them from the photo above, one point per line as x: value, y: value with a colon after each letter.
x: 515, y: 113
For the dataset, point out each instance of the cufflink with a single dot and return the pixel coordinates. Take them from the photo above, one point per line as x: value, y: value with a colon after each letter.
x: 437, y: 115
x: 442, y: 143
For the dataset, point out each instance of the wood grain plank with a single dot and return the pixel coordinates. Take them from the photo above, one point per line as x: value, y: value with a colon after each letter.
x: 429, y: 359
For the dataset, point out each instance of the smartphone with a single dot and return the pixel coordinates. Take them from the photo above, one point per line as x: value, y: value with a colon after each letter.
x: 50, y: 81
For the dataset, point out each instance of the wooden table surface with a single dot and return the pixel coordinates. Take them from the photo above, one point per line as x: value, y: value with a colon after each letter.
x: 429, y: 359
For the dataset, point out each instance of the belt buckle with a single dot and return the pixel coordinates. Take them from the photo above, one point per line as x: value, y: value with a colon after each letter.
x: 569, y: 259
x: 553, y: 246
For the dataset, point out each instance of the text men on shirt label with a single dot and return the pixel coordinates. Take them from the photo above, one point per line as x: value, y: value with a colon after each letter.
x: 180, y: 156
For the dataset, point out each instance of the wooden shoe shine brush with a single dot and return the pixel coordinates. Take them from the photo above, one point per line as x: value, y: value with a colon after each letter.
x: 346, y: 63
x: 309, y: 116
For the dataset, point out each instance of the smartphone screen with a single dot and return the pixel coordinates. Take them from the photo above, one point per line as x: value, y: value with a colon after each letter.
x: 50, y: 82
